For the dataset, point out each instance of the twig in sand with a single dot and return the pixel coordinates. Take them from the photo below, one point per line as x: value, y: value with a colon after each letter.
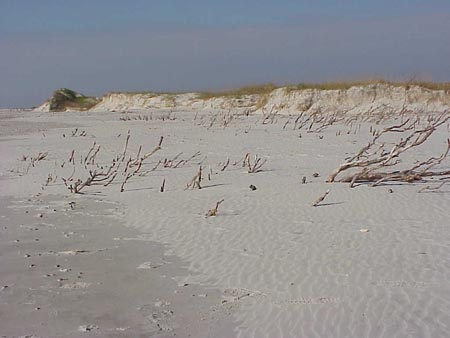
x: 89, y: 153
x: 158, y: 147
x: 38, y: 158
x: 91, y: 160
x: 213, y: 212
x: 195, y: 182
x: 436, y: 188
x: 131, y: 174
x: 256, y: 166
x: 226, y: 165
x: 321, y: 198
x: 126, y: 146
x: 72, y: 157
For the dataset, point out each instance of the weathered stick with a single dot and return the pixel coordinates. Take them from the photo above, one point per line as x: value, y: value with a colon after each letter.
x: 196, y: 181
x: 126, y: 146
x: 321, y: 198
x: 213, y: 212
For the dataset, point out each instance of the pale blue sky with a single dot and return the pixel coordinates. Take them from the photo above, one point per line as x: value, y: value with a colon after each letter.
x: 95, y: 46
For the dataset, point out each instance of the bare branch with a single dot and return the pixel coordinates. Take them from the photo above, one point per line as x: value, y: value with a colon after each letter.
x: 213, y: 212
x: 321, y: 198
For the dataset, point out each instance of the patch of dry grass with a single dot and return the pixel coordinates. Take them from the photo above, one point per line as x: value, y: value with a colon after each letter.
x: 343, y: 85
x: 263, y: 89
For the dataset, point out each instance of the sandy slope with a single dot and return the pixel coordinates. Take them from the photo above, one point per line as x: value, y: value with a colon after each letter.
x: 283, y: 267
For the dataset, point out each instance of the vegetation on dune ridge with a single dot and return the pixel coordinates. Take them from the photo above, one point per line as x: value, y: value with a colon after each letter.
x: 143, y: 92
x: 64, y: 99
x: 262, y: 89
x: 265, y: 89
x: 342, y: 85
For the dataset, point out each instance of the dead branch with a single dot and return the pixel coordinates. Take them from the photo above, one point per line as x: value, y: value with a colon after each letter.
x: 106, y: 175
x: 158, y: 147
x: 130, y: 174
x: 95, y: 177
x: 156, y: 166
x: 256, y: 166
x: 72, y: 157
x: 198, y: 153
x: 91, y: 160
x: 196, y: 181
x: 210, y: 173
x: 50, y: 179
x: 321, y: 198
x: 126, y: 146
x: 226, y: 165
x: 38, y: 158
x: 433, y: 189
x: 89, y: 152
x: 139, y: 152
x: 375, y: 155
x: 213, y: 212
x: 170, y: 163
x: 245, y: 160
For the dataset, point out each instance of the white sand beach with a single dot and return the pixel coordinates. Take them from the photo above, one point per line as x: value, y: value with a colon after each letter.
x: 366, y: 262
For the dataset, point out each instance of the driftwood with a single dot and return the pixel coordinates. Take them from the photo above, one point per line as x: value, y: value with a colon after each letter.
x: 255, y: 166
x: 175, y: 162
x: 95, y: 178
x: 38, y: 158
x: 72, y: 157
x: 172, y: 163
x: 196, y: 181
x: 89, y: 153
x: 375, y: 156
x: 126, y: 146
x: 433, y: 189
x: 106, y: 174
x: 213, y: 212
x: 33, y: 160
x: 130, y: 174
x: 225, y: 165
x: 158, y: 147
x: 321, y: 198
x: 75, y: 132
x: 137, y: 163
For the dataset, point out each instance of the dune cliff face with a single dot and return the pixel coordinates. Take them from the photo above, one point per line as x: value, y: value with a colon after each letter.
x: 126, y: 101
x: 378, y: 98
x: 375, y: 98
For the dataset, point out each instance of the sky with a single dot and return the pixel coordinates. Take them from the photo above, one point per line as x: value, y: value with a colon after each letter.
x: 97, y: 46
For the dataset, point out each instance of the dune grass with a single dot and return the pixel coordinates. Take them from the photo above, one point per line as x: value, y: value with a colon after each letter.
x: 240, y: 92
x: 343, y: 85
x: 265, y: 89
x: 64, y: 99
